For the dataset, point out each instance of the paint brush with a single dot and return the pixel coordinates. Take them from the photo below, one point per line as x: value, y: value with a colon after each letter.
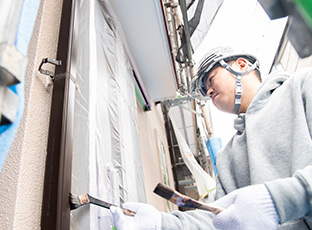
x: 77, y: 201
x: 182, y: 200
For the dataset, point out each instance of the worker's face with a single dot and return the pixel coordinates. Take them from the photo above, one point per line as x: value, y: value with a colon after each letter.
x: 221, y: 88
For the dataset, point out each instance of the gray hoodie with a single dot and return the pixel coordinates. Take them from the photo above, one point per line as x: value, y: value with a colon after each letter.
x: 272, y: 146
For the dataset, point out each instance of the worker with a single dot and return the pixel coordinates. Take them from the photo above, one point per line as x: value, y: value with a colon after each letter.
x: 264, y: 176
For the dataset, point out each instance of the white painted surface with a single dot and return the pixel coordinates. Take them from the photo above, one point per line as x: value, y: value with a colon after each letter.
x: 145, y: 32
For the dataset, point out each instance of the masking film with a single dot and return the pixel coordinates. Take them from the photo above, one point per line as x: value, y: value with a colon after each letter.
x: 105, y: 141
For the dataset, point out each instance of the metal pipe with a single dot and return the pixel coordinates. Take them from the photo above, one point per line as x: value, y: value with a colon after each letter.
x: 55, y: 206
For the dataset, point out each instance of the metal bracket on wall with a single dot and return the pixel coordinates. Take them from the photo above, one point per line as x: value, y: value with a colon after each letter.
x: 50, y: 61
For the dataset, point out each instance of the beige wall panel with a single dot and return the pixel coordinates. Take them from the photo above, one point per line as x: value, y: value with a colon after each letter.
x: 290, y: 59
x: 149, y: 123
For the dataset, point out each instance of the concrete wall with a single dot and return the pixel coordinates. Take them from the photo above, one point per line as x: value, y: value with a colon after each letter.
x: 21, y: 179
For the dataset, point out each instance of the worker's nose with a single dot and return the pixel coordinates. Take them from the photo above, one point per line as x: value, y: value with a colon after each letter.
x: 210, y: 92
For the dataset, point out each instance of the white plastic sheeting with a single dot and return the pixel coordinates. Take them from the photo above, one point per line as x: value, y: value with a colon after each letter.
x: 105, y: 143
x: 204, y: 182
x: 184, y: 120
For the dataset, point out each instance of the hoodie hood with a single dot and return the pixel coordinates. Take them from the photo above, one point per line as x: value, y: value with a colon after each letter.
x: 271, y: 82
x: 268, y: 86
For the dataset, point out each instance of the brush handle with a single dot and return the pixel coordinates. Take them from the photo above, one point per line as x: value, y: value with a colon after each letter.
x: 211, y: 208
x: 183, y: 200
x: 186, y: 201
x: 104, y: 204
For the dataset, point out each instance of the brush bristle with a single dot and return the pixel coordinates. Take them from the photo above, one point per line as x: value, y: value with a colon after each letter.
x: 74, y: 201
x: 163, y: 191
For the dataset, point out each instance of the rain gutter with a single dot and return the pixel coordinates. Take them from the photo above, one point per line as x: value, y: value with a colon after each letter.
x: 57, y: 181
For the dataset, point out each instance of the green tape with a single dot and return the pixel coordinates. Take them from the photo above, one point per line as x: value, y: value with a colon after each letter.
x: 207, y: 191
x: 140, y: 98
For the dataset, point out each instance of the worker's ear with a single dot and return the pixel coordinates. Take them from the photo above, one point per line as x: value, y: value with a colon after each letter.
x: 242, y: 64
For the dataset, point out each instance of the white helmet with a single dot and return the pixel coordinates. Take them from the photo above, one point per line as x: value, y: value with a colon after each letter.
x: 219, y: 57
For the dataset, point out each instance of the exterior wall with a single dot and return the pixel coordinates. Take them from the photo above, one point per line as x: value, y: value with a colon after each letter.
x: 21, y: 179
x: 150, y: 123
x: 290, y: 60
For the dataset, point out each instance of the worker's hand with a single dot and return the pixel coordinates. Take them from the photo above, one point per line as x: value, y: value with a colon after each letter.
x: 147, y: 217
x: 247, y: 208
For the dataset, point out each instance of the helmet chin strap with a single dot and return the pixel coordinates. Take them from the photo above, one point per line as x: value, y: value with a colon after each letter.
x: 238, y: 85
x: 238, y: 93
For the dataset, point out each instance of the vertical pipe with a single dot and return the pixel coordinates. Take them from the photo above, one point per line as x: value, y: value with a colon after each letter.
x: 55, y: 206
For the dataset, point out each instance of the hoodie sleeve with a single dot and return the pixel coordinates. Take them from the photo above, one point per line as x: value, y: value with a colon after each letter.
x: 293, y: 196
x: 307, y: 96
x: 187, y: 220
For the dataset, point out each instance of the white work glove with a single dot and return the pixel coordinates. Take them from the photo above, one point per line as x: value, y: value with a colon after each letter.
x: 250, y: 207
x: 147, y: 217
